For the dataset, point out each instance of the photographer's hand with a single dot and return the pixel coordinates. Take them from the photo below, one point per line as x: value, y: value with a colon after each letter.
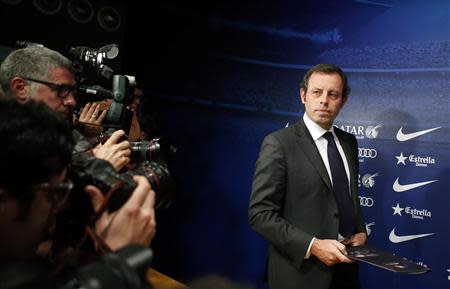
x: 115, y: 153
x: 91, y: 114
x: 133, y: 223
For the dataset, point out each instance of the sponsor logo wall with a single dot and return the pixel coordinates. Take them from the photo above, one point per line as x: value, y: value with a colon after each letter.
x: 398, y: 110
x: 402, y: 188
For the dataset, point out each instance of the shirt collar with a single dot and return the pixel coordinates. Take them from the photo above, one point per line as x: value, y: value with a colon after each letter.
x: 314, y: 129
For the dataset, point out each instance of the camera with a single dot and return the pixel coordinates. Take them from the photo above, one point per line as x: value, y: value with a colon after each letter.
x: 147, y: 158
x: 116, y: 186
x: 123, y: 269
x: 94, y: 58
x: 119, y: 114
x: 156, y: 150
x: 101, y: 174
x: 88, y: 63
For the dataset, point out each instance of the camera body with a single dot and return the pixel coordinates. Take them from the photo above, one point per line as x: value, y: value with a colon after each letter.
x: 149, y: 159
x: 88, y: 64
x: 87, y: 170
x: 119, y: 115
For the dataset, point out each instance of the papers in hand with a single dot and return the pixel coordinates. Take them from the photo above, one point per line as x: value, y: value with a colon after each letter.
x: 385, y: 260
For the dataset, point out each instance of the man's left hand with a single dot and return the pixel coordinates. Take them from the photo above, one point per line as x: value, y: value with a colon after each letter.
x: 91, y: 114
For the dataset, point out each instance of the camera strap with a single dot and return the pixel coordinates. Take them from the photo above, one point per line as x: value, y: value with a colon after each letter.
x: 99, y: 242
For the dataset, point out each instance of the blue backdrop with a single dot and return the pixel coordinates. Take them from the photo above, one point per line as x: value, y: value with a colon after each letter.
x: 396, y: 54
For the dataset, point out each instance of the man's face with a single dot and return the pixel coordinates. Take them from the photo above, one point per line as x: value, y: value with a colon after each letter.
x: 19, y: 238
x: 51, y: 97
x: 323, y: 99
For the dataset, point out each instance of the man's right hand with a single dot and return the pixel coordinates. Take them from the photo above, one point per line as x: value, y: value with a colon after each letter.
x: 330, y: 252
x: 115, y: 153
x: 133, y: 223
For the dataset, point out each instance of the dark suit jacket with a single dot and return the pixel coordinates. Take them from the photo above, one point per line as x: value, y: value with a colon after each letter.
x: 292, y: 201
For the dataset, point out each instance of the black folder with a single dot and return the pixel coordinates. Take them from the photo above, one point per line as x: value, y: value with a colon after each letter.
x: 385, y: 260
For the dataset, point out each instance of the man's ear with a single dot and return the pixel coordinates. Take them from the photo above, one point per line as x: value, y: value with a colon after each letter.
x: 20, y: 89
x: 303, y: 95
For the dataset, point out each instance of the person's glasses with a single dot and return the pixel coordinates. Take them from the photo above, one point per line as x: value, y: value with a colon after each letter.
x: 63, y: 90
x: 57, y: 193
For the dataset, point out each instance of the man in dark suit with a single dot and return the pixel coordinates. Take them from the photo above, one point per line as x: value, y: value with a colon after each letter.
x: 295, y: 203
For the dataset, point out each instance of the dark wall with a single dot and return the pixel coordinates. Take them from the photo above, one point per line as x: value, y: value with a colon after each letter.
x: 64, y: 23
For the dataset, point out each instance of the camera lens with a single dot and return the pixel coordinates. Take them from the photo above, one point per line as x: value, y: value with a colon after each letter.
x: 159, y: 177
x: 154, y: 150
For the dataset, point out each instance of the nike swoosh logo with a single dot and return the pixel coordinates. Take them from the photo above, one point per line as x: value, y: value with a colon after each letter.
x: 401, y: 188
x: 398, y: 239
x: 408, y: 136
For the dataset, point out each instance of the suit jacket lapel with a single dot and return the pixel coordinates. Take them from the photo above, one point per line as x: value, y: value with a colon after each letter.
x: 307, y: 145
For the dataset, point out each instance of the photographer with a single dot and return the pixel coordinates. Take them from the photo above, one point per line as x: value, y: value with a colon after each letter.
x: 45, y: 75
x: 35, y: 152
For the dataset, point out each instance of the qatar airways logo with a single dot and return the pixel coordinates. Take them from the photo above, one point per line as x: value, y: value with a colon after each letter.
x: 420, y: 214
x: 418, y: 161
x: 360, y: 131
x: 367, y: 180
x: 369, y: 228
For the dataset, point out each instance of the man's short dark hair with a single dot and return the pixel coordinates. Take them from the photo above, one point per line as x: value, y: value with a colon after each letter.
x: 35, y: 145
x: 327, y: 69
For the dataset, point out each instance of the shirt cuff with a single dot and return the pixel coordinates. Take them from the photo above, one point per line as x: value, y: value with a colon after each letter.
x: 308, y: 252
